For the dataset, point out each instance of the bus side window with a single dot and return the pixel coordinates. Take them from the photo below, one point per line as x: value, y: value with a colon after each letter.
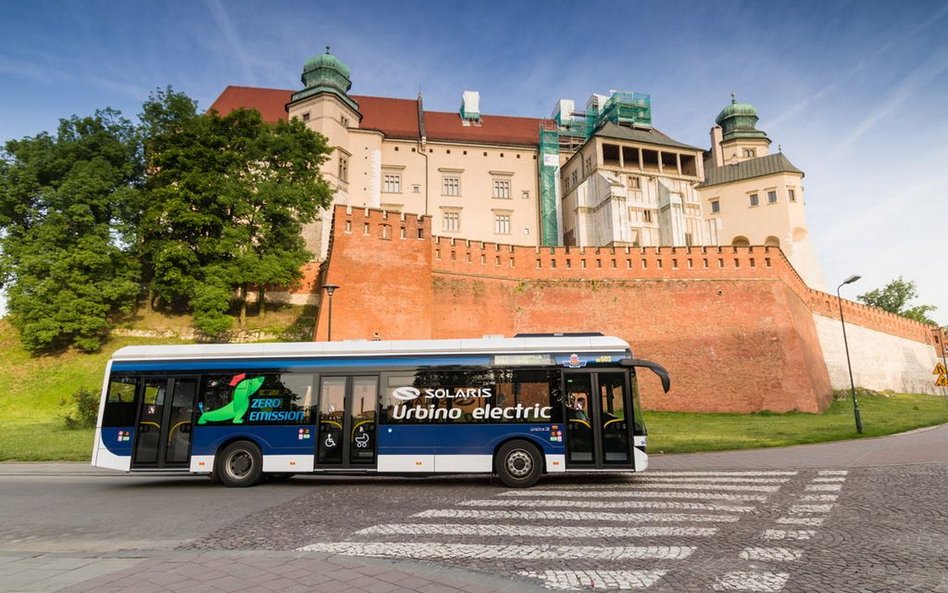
x: 120, y: 402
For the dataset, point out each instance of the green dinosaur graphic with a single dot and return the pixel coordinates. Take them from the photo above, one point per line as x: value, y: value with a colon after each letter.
x: 238, y: 406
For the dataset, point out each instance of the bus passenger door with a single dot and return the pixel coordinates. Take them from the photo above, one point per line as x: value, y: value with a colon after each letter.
x: 598, y: 430
x: 163, y: 436
x: 347, y: 423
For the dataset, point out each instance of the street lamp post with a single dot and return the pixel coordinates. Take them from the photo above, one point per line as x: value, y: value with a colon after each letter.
x: 852, y: 384
x: 330, y: 288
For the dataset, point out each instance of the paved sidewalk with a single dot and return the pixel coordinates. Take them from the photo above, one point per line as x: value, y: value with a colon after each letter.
x: 223, y: 572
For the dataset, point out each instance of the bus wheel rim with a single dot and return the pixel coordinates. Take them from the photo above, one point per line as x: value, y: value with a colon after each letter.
x: 519, y: 463
x: 240, y: 464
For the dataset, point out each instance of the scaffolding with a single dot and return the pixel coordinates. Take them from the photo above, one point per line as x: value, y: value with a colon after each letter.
x: 567, y: 132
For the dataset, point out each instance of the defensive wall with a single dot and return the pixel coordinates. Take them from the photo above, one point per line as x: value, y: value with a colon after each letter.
x: 737, y: 327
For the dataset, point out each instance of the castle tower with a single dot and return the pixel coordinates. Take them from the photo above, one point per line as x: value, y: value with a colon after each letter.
x: 325, y: 106
x: 754, y: 197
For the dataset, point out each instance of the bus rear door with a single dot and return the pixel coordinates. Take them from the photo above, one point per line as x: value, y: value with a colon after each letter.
x: 347, y: 423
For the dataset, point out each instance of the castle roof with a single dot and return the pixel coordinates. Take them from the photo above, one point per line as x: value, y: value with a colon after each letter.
x: 757, y: 167
x: 396, y: 118
x: 643, y: 135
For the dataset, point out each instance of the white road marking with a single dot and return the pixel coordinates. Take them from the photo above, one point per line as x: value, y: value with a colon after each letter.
x: 612, y: 580
x: 824, y: 488
x: 613, y: 494
x: 810, y: 521
x: 559, y: 531
x: 820, y: 497
x: 834, y: 472
x: 619, y: 504
x: 763, y: 582
x: 574, y: 516
x: 722, y: 473
x: 712, y: 480
x: 836, y: 479
x: 811, y: 508
x: 789, y: 533
x: 707, y: 486
x: 771, y: 554
x: 539, y: 552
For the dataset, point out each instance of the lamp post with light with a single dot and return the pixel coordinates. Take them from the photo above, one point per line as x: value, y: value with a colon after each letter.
x: 852, y: 384
x: 330, y: 288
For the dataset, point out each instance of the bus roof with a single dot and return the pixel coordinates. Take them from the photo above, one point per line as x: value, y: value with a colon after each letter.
x: 366, y: 348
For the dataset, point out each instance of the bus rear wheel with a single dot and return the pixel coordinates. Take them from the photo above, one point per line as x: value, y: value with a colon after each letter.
x: 518, y: 464
x: 239, y: 465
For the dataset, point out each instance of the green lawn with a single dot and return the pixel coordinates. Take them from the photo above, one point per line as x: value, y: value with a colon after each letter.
x: 670, y: 432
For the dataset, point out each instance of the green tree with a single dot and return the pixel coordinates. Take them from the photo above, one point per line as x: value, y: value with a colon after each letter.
x: 225, y: 203
x: 63, y: 202
x: 894, y: 298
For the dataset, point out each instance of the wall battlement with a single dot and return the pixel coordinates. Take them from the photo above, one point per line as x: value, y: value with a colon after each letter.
x: 734, y: 325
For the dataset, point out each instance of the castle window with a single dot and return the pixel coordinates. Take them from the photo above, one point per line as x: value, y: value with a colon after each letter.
x: 451, y: 186
x: 646, y: 215
x: 451, y: 222
x: 502, y: 189
x: 344, y: 121
x: 715, y: 206
x: 750, y: 152
x: 343, y: 167
x: 792, y: 194
x: 635, y: 182
x: 772, y: 197
x: 306, y: 116
x: 525, y: 195
x: 753, y: 200
x: 392, y: 183
x: 502, y: 224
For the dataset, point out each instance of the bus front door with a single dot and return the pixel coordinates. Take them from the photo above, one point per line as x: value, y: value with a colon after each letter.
x: 598, y: 424
x: 347, y: 422
x: 163, y: 436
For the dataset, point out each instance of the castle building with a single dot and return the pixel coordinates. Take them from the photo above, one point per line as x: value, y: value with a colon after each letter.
x: 603, y: 176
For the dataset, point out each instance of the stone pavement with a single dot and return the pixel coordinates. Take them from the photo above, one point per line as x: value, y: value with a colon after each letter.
x: 213, y: 571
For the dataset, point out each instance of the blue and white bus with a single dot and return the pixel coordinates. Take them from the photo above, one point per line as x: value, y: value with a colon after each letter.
x: 516, y: 407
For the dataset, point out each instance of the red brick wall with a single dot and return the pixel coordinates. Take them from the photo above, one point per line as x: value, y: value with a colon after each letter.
x: 733, y: 325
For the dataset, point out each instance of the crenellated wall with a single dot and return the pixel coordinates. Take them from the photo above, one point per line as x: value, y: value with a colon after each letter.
x: 734, y: 325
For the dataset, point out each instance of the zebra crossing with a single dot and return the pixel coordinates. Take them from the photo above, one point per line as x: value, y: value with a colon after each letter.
x: 632, y: 535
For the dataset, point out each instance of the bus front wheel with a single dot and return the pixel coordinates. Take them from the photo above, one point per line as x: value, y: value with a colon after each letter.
x: 239, y: 465
x: 518, y: 464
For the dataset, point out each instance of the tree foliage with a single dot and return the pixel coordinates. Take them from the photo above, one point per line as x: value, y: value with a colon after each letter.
x: 894, y: 297
x: 63, y: 217
x: 226, y: 200
x: 192, y: 207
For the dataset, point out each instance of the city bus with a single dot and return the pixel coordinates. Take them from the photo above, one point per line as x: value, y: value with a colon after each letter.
x: 515, y: 407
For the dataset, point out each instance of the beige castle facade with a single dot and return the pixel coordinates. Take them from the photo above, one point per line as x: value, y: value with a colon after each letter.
x: 601, y: 177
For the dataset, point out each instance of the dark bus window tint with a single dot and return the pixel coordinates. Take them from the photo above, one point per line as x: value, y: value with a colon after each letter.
x: 120, y: 402
x: 471, y: 395
x: 248, y: 398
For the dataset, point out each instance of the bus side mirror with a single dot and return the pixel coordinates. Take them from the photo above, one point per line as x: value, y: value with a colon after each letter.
x: 652, y: 366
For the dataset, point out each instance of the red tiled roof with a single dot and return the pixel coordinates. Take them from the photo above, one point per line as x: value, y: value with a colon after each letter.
x: 396, y: 118
x: 493, y: 129
x: 271, y: 103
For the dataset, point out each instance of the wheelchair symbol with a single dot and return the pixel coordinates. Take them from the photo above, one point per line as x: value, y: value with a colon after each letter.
x: 330, y: 443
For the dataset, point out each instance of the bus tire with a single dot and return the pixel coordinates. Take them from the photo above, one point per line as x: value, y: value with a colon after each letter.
x: 239, y: 465
x: 518, y: 464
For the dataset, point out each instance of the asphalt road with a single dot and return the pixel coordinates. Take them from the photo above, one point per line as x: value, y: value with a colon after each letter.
x: 866, y: 515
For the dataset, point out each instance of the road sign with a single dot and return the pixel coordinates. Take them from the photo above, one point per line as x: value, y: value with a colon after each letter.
x: 939, y: 369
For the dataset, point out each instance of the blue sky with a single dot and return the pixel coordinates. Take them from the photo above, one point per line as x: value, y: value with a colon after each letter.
x: 855, y: 93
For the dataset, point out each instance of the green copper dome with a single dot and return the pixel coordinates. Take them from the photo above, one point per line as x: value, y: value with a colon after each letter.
x: 326, y: 70
x: 739, y: 120
x: 325, y: 73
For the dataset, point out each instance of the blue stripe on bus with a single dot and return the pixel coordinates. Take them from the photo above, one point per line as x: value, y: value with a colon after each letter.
x: 394, y: 439
x: 271, y: 363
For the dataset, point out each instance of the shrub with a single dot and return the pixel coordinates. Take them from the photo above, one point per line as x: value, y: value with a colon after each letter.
x: 85, y: 409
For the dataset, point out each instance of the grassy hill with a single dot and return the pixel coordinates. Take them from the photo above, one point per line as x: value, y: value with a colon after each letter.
x: 38, y: 390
